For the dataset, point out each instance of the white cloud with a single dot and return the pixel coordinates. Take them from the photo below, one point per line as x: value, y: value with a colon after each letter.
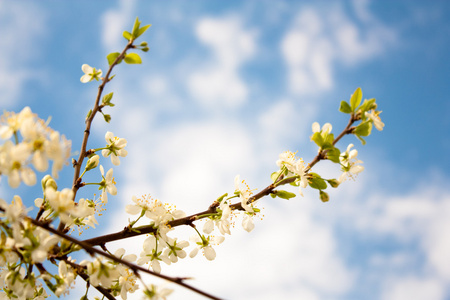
x: 30, y: 22
x: 114, y: 22
x: 414, y: 288
x: 418, y: 267
x: 218, y: 82
x: 320, y: 39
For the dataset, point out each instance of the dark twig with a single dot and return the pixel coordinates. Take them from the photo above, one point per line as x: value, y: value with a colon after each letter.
x: 127, y: 233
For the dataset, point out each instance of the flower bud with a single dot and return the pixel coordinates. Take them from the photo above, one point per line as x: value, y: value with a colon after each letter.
x: 333, y: 182
x: 92, y: 162
x: 324, y: 196
x: 48, y: 181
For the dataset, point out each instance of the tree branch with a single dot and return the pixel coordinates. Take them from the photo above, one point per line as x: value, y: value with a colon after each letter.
x: 127, y: 232
x: 91, y: 250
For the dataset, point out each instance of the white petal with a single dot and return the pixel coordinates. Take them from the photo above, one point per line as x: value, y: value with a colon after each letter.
x: 210, y: 253
x: 115, y: 159
x: 193, y: 252
x: 327, y: 128
x: 133, y: 209
x: 315, y: 127
x: 208, y: 227
x: 87, y: 68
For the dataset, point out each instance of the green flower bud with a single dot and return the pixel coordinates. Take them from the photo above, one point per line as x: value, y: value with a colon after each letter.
x: 92, y: 162
x: 333, y: 182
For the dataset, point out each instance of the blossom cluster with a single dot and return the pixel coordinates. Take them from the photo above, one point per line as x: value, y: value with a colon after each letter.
x: 292, y: 166
x: 35, y: 144
x: 112, y: 275
x: 22, y: 246
x: 61, y: 204
x: 158, y: 246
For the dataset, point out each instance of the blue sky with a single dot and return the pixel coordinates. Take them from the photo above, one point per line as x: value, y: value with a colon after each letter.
x: 225, y: 88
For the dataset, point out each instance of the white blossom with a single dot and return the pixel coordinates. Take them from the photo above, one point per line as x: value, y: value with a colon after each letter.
x: 326, y: 128
x: 375, y: 118
x: 90, y: 73
x: 107, y: 184
x: 349, y: 163
x: 205, y: 244
x: 114, y: 148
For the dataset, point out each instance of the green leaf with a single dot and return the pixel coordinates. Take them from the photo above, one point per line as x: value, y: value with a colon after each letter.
x: 345, y: 107
x: 106, y: 101
x: 127, y: 35
x: 363, y: 129
x: 317, y: 138
x: 107, y: 118
x: 324, y: 196
x: 328, y: 143
x: 284, y: 194
x: 135, y: 29
x: 112, y: 57
x: 333, y: 154
x: 133, y: 58
x: 89, y: 114
x: 355, y: 99
x: 272, y: 195
x: 142, y: 30
x: 367, y: 105
x: 317, y: 182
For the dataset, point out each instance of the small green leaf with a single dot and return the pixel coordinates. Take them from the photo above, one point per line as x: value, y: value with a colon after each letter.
x: 106, y: 101
x: 317, y: 182
x: 135, y: 29
x: 272, y: 195
x: 355, y: 99
x: 328, y: 142
x: 324, y: 196
x: 127, y: 35
x: 317, y: 138
x: 363, y: 129
x: 333, y: 154
x: 142, y: 30
x: 107, y: 118
x: 112, y: 57
x: 133, y: 58
x: 89, y: 114
x: 284, y: 194
x: 367, y: 105
x: 345, y: 107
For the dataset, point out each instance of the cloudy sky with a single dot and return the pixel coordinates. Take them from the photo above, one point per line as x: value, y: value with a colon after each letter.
x: 225, y: 88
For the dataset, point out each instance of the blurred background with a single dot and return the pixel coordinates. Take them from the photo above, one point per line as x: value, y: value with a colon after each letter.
x: 225, y: 88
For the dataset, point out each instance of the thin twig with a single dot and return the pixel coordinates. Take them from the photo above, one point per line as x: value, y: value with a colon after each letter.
x: 77, y: 165
x: 127, y: 232
x: 91, y: 250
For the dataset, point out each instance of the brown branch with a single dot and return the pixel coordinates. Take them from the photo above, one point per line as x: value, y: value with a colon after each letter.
x: 91, y: 250
x: 102, y: 290
x: 78, y: 163
x: 128, y: 232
